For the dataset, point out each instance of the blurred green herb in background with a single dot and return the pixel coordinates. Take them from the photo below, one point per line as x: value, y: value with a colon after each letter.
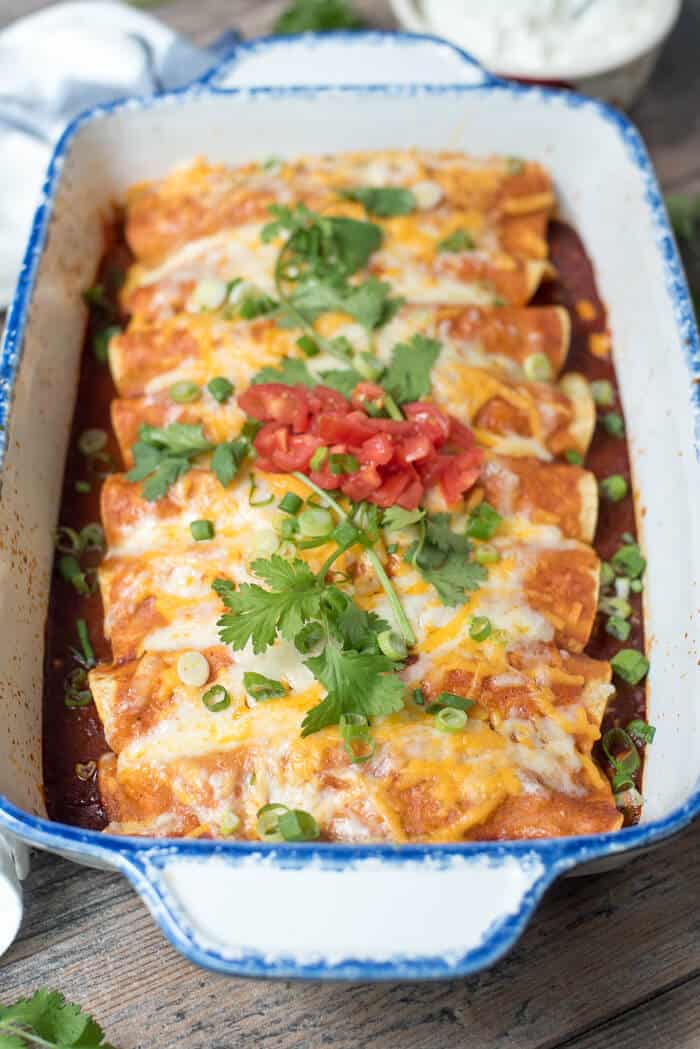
x: 684, y: 212
x: 48, y: 1020
x: 318, y: 15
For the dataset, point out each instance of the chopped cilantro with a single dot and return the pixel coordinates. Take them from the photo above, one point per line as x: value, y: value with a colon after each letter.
x: 382, y: 201
x: 442, y: 557
x: 163, y: 454
x: 408, y: 376
x: 460, y: 240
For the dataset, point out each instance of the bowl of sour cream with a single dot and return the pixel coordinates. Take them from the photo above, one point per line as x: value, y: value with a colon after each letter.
x: 606, y: 48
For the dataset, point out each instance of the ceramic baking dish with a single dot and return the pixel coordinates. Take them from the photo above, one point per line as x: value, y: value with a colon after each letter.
x: 331, y: 911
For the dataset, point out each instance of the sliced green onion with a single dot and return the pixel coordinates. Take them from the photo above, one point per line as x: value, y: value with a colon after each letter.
x: 392, y: 645
x: 220, y: 388
x: 483, y: 521
x: 636, y: 586
x: 308, y: 346
x: 84, y: 639
x: 101, y: 341
x: 252, y: 489
x: 209, y: 294
x: 602, y: 393
x: 289, y: 528
x: 354, y: 730
x: 618, y: 628
x: 612, y: 423
x: 613, y: 488
x: 261, y: 688
x: 83, y: 487
x: 95, y: 296
x: 449, y: 699
x: 70, y: 570
x: 630, y: 665
x: 193, y: 669
x: 315, y: 522
x: 318, y: 458
x: 202, y: 530
x: 216, y: 698
x: 67, y: 540
x: 76, y: 692
x: 92, y: 441
x: 184, y: 392
x: 615, y: 606
x: 345, y: 534
x: 297, y: 825
x: 641, y: 732
x: 418, y: 697
x: 85, y: 770
x: 268, y: 822
x: 342, y: 463
x: 621, y: 752
x: 92, y: 537
x: 480, y: 628
x: 628, y: 561
x: 573, y: 457
x: 449, y: 719
x: 607, y: 576
x: 622, y: 587
x: 629, y: 799
x: 485, y: 554
x: 537, y: 367
x: 291, y: 503
x: 230, y: 823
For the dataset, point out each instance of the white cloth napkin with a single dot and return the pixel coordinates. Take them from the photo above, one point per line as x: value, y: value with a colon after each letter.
x: 58, y: 62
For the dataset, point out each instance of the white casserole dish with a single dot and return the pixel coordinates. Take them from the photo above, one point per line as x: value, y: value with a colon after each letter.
x: 370, y: 912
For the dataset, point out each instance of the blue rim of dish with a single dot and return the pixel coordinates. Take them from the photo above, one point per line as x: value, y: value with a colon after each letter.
x: 143, y: 861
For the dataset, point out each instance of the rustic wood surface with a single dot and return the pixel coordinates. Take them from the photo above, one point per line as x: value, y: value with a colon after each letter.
x: 611, y: 960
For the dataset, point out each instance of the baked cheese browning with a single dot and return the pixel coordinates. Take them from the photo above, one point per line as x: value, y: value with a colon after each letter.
x: 531, y: 736
x: 203, y: 199
x: 195, y: 347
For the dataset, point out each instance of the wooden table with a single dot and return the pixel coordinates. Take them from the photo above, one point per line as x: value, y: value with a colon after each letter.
x: 612, y: 960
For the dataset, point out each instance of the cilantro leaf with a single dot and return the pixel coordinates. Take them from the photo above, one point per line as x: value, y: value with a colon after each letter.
x: 395, y: 518
x: 408, y: 376
x: 442, y: 557
x: 258, y: 615
x: 318, y: 16
x: 291, y: 371
x: 383, y: 201
x: 368, y: 303
x: 344, y: 380
x: 47, y: 1016
x: 163, y: 454
x: 460, y: 240
x: 357, y: 682
x: 227, y: 459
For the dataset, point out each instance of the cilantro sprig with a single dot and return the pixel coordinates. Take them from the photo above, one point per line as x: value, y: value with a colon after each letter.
x: 408, y: 376
x: 383, y: 201
x: 163, y: 454
x: 48, y: 1020
x: 441, y: 555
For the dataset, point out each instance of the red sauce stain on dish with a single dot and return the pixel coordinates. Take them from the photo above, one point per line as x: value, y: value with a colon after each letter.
x: 73, y: 737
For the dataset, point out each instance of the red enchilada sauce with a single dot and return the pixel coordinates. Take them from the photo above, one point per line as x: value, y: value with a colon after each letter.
x: 73, y: 736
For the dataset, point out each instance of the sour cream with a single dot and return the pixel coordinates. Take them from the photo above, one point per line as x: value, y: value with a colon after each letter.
x: 548, y: 38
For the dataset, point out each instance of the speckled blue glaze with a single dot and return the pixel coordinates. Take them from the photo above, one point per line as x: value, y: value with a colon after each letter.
x: 143, y: 862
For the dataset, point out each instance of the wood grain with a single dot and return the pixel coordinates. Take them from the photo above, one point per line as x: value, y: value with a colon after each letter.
x: 611, y: 959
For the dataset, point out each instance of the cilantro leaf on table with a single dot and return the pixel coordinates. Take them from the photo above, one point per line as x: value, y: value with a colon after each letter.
x: 163, y: 454
x: 408, y: 376
x: 319, y: 16
x: 259, y: 615
x: 47, y: 1019
x: 382, y: 201
x: 441, y: 555
x: 684, y: 212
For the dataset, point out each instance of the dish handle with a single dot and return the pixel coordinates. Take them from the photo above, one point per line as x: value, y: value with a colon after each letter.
x: 345, y: 58
x: 342, y: 913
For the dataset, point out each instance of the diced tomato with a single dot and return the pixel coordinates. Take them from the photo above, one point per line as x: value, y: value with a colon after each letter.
x: 431, y: 420
x: 460, y: 435
x: 363, y: 484
x: 392, y: 488
x: 300, y: 448
x: 399, y: 458
x: 410, y: 498
x: 461, y: 473
x: 412, y: 449
x: 326, y: 399
x: 377, y: 450
x: 275, y: 401
x: 352, y: 429
x: 367, y: 393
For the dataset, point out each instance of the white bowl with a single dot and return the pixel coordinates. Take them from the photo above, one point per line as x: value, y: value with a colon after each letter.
x: 619, y: 81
